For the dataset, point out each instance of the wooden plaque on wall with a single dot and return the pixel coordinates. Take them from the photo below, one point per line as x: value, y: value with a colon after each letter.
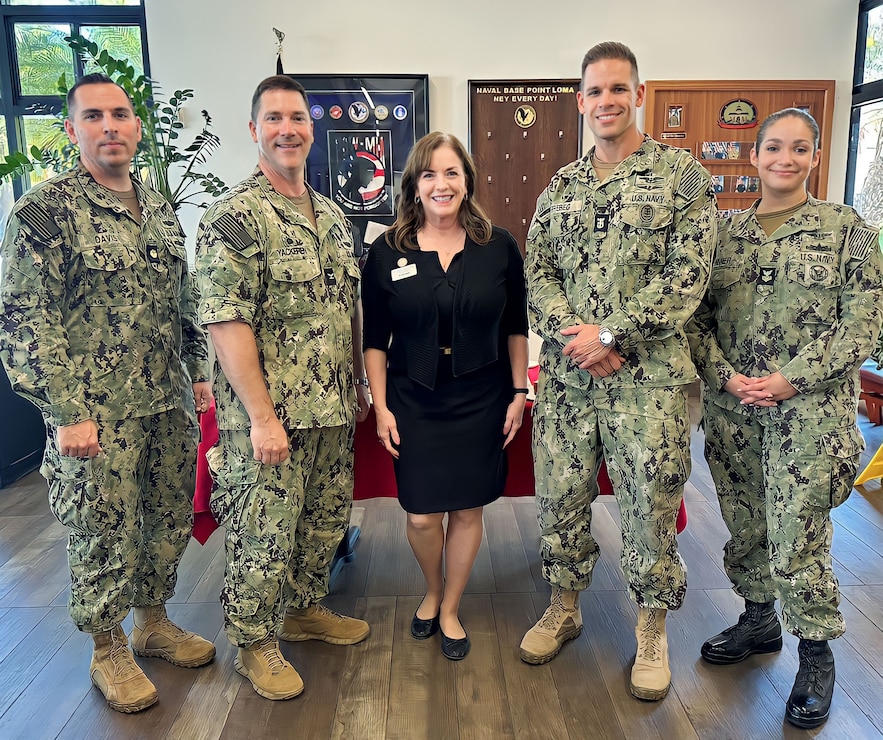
x: 709, y: 118
x: 520, y: 134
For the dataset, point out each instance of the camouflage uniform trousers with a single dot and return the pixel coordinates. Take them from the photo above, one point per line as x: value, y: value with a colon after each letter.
x: 283, y: 524
x: 644, y: 435
x: 129, y: 514
x: 777, y: 481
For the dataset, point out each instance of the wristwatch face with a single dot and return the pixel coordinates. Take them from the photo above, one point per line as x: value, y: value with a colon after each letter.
x: 605, y: 336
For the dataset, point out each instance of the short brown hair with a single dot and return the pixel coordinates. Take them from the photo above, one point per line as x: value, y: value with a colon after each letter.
x: 610, y: 50
x: 276, y: 82
x: 96, y: 78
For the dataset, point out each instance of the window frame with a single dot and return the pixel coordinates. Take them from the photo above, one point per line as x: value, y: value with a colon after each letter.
x: 13, y: 105
x: 863, y: 93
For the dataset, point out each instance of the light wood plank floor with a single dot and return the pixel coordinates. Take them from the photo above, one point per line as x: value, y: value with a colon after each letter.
x: 392, y: 686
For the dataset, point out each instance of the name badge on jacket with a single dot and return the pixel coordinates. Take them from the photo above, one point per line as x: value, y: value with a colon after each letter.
x: 400, y: 273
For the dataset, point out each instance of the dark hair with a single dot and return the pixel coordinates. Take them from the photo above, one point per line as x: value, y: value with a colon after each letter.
x: 276, y: 82
x: 610, y: 50
x: 410, y: 216
x: 96, y: 78
x: 795, y: 113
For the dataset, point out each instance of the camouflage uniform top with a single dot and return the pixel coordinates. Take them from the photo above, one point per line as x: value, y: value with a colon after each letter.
x: 805, y: 301
x: 260, y: 261
x: 632, y: 253
x: 98, y: 318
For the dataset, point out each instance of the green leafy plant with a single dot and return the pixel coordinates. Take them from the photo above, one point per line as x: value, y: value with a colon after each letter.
x: 163, y: 161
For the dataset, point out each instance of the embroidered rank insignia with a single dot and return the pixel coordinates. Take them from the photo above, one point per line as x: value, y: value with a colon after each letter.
x: 39, y: 221
x: 601, y: 222
x: 861, y: 241
x: 766, y: 279
x: 227, y: 225
x: 692, y: 183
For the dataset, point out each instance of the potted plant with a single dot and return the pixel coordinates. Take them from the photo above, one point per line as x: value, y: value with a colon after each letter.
x: 163, y: 162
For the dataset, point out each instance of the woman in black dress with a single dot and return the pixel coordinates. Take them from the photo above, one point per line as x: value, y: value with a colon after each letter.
x: 445, y: 338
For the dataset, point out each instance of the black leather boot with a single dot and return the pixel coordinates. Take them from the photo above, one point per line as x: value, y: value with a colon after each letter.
x: 757, y: 631
x: 810, y: 699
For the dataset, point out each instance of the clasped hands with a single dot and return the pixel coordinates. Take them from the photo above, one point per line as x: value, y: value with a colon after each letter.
x: 587, y: 353
x: 764, y: 391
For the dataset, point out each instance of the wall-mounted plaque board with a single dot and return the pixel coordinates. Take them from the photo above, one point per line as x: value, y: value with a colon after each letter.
x: 718, y: 122
x: 520, y: 133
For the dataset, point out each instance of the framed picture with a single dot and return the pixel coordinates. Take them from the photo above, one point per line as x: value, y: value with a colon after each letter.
x: 745, y: 184
x: 364, y: 128
x: 674, y: 117
x: 725, y: 149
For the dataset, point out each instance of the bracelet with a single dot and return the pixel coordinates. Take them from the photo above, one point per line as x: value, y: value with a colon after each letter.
x: 516, y: 391
x: 361, y: 381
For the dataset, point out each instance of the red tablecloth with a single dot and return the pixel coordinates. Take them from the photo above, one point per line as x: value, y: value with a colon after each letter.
x: 374, y: 477
x: 374, y: 472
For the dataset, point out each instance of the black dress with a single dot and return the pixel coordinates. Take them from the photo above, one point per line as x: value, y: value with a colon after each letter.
x: 451, y: 454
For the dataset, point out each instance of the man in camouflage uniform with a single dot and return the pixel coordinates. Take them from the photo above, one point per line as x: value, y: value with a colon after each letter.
x: 279, y: 284
x: 801, y: 308
x: 618, y: 256
x: 99, y: 331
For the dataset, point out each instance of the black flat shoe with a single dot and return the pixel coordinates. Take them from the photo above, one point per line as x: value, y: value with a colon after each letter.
x: 455, y: 649
x: 422, y: 629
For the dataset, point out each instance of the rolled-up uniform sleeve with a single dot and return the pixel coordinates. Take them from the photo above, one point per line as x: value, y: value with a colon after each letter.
x: 228, y: 265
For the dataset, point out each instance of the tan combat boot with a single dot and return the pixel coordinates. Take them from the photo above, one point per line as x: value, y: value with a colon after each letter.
x: 270, y: 674
x: 651, y: 676
x: 320, y: 623
x: 117, y: 675
x: 562, y: 621
x: 157, y: 636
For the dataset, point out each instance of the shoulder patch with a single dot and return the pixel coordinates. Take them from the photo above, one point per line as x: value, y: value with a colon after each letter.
x: 39, y: 220
x: 861, y: 241
x: 234, y: 232
x: 691, y: 184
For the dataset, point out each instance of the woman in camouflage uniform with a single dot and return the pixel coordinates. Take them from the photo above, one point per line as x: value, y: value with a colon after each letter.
x: 792, y: 311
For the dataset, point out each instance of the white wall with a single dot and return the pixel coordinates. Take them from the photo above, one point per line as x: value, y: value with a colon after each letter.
x: 222, y: 49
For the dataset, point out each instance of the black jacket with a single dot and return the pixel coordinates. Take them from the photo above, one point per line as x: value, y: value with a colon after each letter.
x: 401, y: 315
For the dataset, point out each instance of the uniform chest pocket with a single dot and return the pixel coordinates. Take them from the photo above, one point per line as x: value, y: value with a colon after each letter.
x: 724, y: 285
x: 167, y: 257
x: 813, y: 284
x: 724, y: 276
x: 111, y: 277
x: 296, y: 287
x: 567, y: 232
x: 565, y: 220
x: 816, y: 271
x: 644, y: 228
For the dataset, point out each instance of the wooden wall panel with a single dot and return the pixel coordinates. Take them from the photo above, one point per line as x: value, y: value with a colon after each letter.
x: 701, y: 102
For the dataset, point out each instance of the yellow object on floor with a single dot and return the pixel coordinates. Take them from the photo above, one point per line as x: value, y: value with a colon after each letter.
x: 874, y: 469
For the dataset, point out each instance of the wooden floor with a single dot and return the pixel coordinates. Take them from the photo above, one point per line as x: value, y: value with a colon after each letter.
x: 392, y: 686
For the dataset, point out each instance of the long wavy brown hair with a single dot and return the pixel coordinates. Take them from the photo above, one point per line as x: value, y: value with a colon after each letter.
x: 410, y: 216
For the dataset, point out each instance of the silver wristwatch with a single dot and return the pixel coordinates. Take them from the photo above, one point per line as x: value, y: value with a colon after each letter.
x: 605, y: 336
